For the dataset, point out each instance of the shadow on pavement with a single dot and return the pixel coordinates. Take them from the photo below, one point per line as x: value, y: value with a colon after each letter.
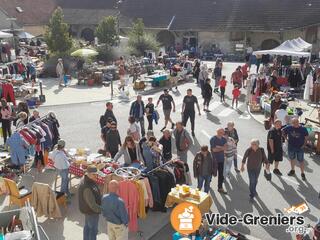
x: 291, y: 196
x: 195, y: 147
x: 241, y: 205
x: 213, y: 119
x: 278, y: 232
x: 310, y: 194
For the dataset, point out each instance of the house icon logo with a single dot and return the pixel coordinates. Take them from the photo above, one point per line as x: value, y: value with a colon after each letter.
x: 185, y: 218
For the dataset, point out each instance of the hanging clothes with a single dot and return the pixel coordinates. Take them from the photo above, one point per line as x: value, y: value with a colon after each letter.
x: 130, y: 195
x: 149, y: 192
x: 17, y: 149
x: 142, y: 206
x: 54, y: 126
x: 165, y: 183
x: 295, y: 78
x: 8, y: 93
x: 308, y: 89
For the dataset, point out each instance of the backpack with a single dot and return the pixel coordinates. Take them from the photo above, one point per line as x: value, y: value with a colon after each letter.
x: 155, y: 116
x: 102, y: 121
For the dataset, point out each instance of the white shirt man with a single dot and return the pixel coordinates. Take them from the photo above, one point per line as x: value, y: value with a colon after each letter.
x: 61, y: 163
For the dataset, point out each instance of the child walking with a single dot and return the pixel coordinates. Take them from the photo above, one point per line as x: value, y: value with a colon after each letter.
x: 222, y: 84
x: 235, y: 95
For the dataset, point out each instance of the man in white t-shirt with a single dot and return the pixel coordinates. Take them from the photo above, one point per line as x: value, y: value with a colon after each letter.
x: 282, y: 114
x: 61, y: 163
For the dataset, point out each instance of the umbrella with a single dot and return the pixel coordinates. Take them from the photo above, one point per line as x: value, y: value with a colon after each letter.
x: 5, y: 35
x: 25, y: 35
x: 84, y: 52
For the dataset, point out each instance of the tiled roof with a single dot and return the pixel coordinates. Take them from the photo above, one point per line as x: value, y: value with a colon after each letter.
x: 223, y: 15
x: 87, y: 4
x: 35, y: 12
x: 4, y: 22
x: 86, y: 16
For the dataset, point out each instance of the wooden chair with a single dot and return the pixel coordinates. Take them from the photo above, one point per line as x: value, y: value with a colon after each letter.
x: 18, y: 196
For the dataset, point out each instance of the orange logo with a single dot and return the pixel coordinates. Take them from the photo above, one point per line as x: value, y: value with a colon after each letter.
x: 185, y: 218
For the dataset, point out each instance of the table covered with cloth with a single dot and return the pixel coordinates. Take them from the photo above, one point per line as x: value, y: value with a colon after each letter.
x: 79, y: 171
x: 204, y: 204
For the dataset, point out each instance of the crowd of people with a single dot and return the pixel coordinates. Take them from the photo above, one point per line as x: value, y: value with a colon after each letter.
x: 213, y: 160
x: 141, y: 148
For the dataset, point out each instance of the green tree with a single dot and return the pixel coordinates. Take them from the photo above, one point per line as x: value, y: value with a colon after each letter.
x: 140, y: 41
x: 57, y: 34
x: 106, y: 32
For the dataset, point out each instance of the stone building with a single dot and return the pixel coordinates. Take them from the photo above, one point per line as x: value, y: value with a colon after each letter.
x: 203, y: 24
x: 84, y: 15
x: 31, y: 15
x: 261, y: 24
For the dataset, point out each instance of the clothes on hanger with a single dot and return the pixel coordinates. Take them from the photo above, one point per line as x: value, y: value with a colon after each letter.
x: 295, y: 78
x: 7, y: 92
x: 161, y: 182
x: 308, y: 89
x: 41, y: 134
x: 17, y: 149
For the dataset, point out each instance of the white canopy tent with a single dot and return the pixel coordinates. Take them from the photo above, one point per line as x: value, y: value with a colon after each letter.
x: 5, y: 35
x: 25, y: 35
x: 295, y: 48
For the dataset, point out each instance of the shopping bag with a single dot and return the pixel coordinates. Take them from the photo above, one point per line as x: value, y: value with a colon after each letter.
x: 65, y: 79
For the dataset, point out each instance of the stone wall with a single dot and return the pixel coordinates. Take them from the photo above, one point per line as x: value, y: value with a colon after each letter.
x: 227, y: 44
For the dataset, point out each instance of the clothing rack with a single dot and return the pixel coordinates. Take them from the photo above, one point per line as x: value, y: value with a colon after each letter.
x: 35, y: 121
x: 161, y: 166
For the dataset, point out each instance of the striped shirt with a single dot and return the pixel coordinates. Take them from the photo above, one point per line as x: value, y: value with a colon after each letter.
x: 231, y: 148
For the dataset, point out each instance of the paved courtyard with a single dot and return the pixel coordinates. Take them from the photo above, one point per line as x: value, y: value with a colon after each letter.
x: 80, y: 128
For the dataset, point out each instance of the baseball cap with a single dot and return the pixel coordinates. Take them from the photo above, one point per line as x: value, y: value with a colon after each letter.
x: 61, y: 143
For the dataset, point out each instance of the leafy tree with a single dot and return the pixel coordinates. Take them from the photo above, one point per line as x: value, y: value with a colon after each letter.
x: 57, y: 34
x: 106, y: 32
x: 140, y: 41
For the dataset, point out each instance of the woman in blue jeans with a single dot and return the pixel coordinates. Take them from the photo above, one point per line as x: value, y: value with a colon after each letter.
x: 204, y: 167
x: 254, y: 157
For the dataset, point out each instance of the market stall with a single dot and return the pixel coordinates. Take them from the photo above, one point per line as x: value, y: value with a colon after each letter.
x: 296, y: 48
x: 288, y: 74
x: 82, y: 158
